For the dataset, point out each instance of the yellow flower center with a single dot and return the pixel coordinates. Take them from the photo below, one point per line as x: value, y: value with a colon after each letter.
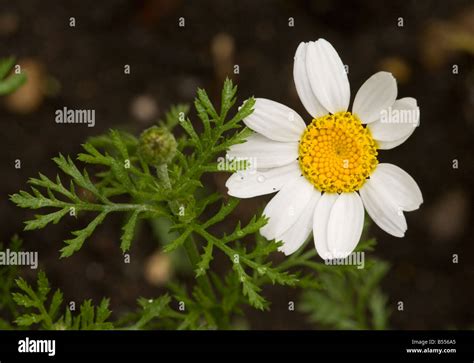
x: 337, y: 153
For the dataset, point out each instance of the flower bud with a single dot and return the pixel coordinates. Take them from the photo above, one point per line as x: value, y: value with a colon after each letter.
x: 157, y: 146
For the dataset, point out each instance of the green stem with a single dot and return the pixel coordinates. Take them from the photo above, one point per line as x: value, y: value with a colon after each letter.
x: 297, y: 259
x: 193, y: 255
x: 189, y: 244
x: 124, y: 207
x: 226, y: 249
x: 162, y: 172
x: 48, y: 323
x: 360, y: 312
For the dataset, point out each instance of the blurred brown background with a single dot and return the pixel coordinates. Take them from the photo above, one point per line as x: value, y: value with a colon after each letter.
x: 83, y: 67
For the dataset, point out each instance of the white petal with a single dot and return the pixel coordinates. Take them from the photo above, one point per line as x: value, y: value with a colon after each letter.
x: 398, y: 123
x: 285, y: 208
x: 264, y: 153
x: 320, y: 224
x: 252, y: 183
x: 345, y: 225
x: 376, y: 94
x: 402, y: 188
x: 294, y: 237
x: 386, y: 145
x: 327, y: 76
x: 303, y: 87
x: 275, y: 121
x: 382, y: 209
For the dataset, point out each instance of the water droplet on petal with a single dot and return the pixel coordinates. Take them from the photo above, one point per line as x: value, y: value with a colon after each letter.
x: 261, y: 178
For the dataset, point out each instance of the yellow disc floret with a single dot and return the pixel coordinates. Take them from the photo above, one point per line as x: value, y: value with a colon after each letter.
x: 337, y: 153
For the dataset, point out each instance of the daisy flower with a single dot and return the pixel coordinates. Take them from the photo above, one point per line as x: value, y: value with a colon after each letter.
x: 325, y: 173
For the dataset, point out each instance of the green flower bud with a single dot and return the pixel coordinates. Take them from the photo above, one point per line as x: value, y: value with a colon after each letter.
x: 157, y: 146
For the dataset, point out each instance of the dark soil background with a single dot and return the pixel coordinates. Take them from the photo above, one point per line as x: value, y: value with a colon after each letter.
x: 83, y: 67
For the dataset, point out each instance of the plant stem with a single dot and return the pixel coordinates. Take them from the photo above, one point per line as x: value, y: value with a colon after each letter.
x: 189, y: 244
x: 48, y: 323
x: 193, y: 255
x: 162, y: 172
x: 360, y: 312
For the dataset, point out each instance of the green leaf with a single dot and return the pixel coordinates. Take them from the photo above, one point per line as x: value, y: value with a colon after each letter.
x: 225, y: 210
x: 128, y: 230
x: 190, y: 321
x: 379, y: 310
x: 23, y: 285
x: 237, y: 138
x: 5, y: 65
x: 244, y: 111
x: 23, y: 300
x: 204, y: 118
x: 204, y: 100
x: 88, y: 318
x: 173, y: 116
x: 106, y: 143
x: 249, y: 289
x: 57, y: 186
x: 252, y: 227
x: 281, y: 278
x: 228, y: 97
x: 188, y: 127
x: 366, y: 245
x: 42, y: 220
x: 263, y: 249
x: 56, y: 302
x: 93, y: 156
x: 119, y: 144
x: 26, y: 200
x: 205, y: 202
x: 75, y: 244
x: 102, y: 311
x: 87, y: 315
x: 81, y: 179
x: 14, y: 81
x: 115, y: 181
x: 33, y: 299
x: 349, y: 298
x: 43, y: 286
x: 206, y: 258
x: 178, y: 241
x: 151, y: 309
x: 27, y: 320
x: 230, y: 293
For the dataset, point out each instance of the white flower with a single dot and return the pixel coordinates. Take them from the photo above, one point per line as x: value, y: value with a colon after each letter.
x: 327, y: 172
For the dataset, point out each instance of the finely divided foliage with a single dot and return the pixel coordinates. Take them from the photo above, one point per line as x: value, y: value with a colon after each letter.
x: 117, y: 180
x: 9, y: 83
x: 48, y: 314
